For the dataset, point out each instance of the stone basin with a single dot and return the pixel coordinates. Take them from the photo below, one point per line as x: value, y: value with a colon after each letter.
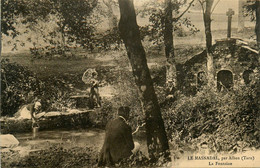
x: 52, y: 120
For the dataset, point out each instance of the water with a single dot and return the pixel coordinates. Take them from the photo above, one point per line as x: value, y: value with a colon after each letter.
x: 66, y: 138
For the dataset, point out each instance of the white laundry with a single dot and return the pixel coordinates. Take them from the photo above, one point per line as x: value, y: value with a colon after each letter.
x: 25, y: 113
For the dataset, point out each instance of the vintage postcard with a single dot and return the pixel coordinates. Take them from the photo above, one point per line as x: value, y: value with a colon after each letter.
x: 130, y: 83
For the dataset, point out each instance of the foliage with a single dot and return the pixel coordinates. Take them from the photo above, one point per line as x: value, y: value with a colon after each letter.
x: 98, y: 41
x: 60, y: 156
x: 126, y: 92
x: 136, y: 160
x: 155, y: 12
x: 21, y: 86
x: 190, y: 114
x: 74, y: 19
x: 101, y: 116
x: 250, y: 8
x: 15, y: 126
x: 223, y: 120
x: 7, y: 158
x: 10, y: 9
x: 111, y: 40
x: 55, y: 156
x: 68, y: 22
x: 17, y: 82
x: 108, y: 40
x: 22, y: 11
x: 127, y: 95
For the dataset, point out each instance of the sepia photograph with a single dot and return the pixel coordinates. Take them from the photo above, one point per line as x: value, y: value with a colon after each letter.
x: 130, y: 83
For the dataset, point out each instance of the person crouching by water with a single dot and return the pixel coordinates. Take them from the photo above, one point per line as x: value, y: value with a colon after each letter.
x: 28, y: 111
x: 118, y: 142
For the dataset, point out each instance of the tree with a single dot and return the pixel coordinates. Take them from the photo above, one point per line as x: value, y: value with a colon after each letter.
x: 110, y: 14
x: 166, y: 18
x: 169, y: 48
x: 10, y: 9
x: 207, y: 9
x: 168, y: 42
x: 155, y: 131
x: 73, y: 19
x: 253, y: 10
x: 257, y: 26
x: 21, y: 12
x: 241, y: 23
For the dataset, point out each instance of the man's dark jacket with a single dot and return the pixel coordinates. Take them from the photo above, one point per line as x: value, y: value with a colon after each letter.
x: 118, y: 142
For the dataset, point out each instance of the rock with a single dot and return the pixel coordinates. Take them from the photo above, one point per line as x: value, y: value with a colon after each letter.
x: 8, y: 141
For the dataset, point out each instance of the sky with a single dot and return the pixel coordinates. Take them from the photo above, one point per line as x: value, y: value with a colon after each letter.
x: 222, y: 6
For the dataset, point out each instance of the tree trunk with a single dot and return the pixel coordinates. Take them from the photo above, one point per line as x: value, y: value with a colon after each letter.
x: 257, y: 26
x: 155, y: 131
x: 241, y: 24
x: 169, y: 48
x: 112, y: 19
x: 207, y: 24
x: 63, y: 42
x: 62, y: 31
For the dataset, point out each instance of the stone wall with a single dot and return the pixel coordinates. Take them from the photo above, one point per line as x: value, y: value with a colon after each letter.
x: 231, y: 57
x: 58, y: 120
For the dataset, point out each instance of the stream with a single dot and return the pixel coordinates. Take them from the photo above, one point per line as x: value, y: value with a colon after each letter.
x: 66, y: 138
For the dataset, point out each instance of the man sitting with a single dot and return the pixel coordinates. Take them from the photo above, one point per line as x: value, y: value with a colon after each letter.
x: 118, y: 142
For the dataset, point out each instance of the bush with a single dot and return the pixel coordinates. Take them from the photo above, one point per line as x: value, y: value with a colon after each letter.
x: 108, y: 40
x: 55, y: 94
x: 102, y: 115
x: 56, y: 156
x: 158, y: 74
x: 21, y: 86
x: 223, y: 121
x: 16, y: 83
x: 60, y: 157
